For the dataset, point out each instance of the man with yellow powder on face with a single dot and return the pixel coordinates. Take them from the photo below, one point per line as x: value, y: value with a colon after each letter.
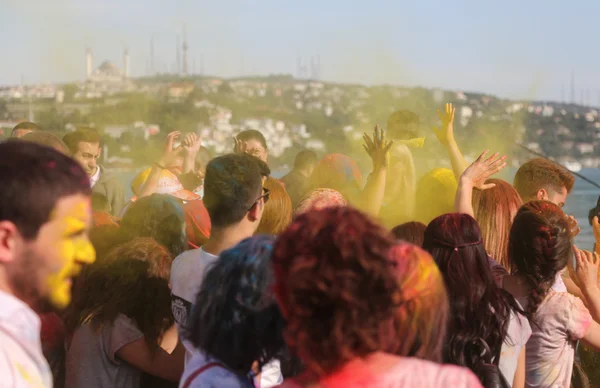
x: 45, y: 216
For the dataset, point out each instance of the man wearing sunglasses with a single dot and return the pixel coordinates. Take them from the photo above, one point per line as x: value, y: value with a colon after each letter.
x: 235, y: 198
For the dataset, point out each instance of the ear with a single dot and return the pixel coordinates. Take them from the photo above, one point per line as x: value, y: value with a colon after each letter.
x: 542, y: 195
x: 255, y: 212
x: 9, y: 240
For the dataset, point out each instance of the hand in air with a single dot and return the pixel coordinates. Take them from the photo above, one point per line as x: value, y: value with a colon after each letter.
x: 191, y: 144
x: 378, y: 148
x: 585, y: 275
x: 170, y: 153
x: 596, y: 229
x: 445, y: 133
x: 482, y: 169
x: 239, y: 146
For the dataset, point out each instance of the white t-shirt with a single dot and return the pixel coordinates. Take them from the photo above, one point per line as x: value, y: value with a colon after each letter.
x: 187, y: 273
x: 517, y: 335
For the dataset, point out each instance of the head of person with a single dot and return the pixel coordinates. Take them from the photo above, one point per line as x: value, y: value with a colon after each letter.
x: 320, y: 199
x: 277, y: 215
x: 435, y: 194
x: 133, y: 280
x: 45, y: 216
x: 47, y: 139
x: 305, y: 162
x: 403, y: 125
x: 105, y: 238
x: 254, y: 144
x: 24, y: 128
x: 235, y: 318
x: 544, y: 180
x: 422, y: 314
x: 84, y: 146
x: 331, y: 320
x: 233, y: 192
x: 539, y: 246
x: 495, y: 210
x: 412, y: 232
x: 340, y: 173
x: 478, y: 312
x: 158, y: 216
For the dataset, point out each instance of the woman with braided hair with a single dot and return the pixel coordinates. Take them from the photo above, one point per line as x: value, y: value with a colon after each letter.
x: 540, y: 247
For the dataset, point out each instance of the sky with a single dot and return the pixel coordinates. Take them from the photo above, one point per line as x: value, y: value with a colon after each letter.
x: 513, y: 48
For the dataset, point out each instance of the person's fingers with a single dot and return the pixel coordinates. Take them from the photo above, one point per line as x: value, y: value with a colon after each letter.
x: 483, y: 154
x: 488, y: 186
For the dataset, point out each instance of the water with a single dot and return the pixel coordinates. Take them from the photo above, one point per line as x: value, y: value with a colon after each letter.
x: 580, y: 201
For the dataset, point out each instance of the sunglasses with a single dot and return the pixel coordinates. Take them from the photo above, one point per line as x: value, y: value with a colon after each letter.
x: 265, y: 197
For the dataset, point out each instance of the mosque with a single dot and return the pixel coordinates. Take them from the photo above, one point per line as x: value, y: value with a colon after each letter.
x: 107, y: 77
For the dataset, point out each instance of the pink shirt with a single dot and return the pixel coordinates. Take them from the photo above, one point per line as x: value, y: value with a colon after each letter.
x: 561, y: 319
x: 391, y: 371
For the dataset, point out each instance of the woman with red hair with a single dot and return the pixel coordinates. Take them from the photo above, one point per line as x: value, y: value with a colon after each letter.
x: 339, y: 293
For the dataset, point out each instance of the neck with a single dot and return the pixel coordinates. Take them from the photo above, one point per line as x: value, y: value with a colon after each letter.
x: 225, y: 238
x: 6, y: 287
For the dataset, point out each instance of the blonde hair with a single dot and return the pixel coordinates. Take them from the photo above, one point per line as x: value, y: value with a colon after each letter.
x: 495, y: 210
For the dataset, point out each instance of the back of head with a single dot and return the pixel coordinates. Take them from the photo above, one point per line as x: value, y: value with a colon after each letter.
x: 320, y: 199
x: 105, y: 238
x: 232, y: 184
x: 236, y: 318
x: 305, y: 159
x: 479, y: 312
x: 435, y: 194
x: 33, y: 178
x: 160, y: 217
x: 403, y: 125
x: 24, y: 128
x: 277, y: 215
x: 47, y: 139
x: 539, y: 247
x: 336, y: 286
x: 82, y: 135
x: 540, y: 173
x: 340, y: 173
x: 422, y: 315
x: 495, y: 210
x: 134, y: 278
x: 412, y: 232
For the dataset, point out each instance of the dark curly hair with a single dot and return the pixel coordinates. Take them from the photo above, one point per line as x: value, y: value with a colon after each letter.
x: 480, y: 310
x: 133, y: 281
x: 159, y: 216
x: 336, y: 286
x: 539, y: 247
x: 235, y: 317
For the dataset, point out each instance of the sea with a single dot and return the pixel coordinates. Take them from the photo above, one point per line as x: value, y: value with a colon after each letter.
x: 583, y: 197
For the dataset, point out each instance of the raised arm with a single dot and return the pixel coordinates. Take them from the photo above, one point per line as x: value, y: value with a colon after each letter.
x: 445, y: 135
x: 474, y: 177
x: 168, y: 156
x: 371, y: 197
x: 191, y: 145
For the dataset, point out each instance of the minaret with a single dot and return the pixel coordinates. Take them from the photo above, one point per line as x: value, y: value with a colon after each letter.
x: 178, y: 56
x: 88, y: 63
x: 126, y: 63
x: 184, y: 51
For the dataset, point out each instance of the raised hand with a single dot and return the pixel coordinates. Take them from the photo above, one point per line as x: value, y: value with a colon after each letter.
x: 170, y: 153
x: 239, y: 146
x: 377, y: 148
x: 191, y: 144
x: 482, y: 169
x: 445, y: 134
x: 585, y: 275
x: 574, y: 225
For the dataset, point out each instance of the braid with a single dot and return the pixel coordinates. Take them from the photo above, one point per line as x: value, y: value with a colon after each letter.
x: 539, y: 245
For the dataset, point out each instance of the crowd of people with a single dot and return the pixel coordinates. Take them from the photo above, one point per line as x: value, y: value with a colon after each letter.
x: 216, y: 274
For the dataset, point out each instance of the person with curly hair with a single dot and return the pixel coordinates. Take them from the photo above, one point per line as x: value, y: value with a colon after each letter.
x: 158, y: 216
x: 121, y: 316
x: 339, y: 293
x: 422, y: 316
x: 235, y: 325
x: 540, y: 246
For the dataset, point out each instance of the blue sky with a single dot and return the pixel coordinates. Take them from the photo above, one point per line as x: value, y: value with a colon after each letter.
x: 513, y: 48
